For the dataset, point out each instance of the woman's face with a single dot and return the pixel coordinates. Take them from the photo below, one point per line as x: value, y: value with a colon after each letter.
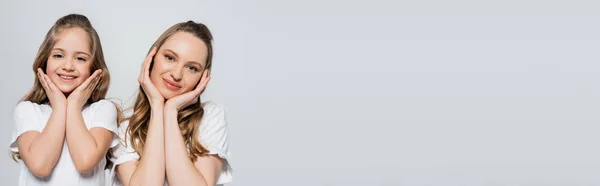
x: 178, y: 64
x: 70, y: 60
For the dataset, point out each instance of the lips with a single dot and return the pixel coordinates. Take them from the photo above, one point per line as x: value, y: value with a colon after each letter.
x: 171, y: 85
x: 67, y: 77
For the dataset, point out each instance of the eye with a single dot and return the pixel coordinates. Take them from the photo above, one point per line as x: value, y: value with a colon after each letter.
x: 57, y: 56
x: 192, y: 68
x: 170, y: 58
x: 81, y: 59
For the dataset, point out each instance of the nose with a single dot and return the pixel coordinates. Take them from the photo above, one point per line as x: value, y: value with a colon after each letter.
x: 176, y: 73
x: 68, y: 65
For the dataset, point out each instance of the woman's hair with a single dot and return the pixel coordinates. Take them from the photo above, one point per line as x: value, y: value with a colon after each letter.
x: 37, y: 94
x: 188, y: 118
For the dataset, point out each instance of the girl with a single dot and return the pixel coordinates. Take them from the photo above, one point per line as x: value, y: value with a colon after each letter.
x: 63, y: 127
x: 171, y: 132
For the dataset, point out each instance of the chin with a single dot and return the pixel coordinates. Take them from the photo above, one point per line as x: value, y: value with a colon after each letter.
x: 66, y: 90
x: 167, y: 94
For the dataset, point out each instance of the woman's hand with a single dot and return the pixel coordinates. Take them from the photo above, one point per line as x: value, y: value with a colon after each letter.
x: 188, y: 98
x: 150, y: 90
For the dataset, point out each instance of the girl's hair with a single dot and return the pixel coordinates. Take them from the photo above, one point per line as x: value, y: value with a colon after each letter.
x: 37, y: 94
x: 188, y: 118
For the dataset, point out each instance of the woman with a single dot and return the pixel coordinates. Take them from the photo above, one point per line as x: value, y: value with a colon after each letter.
x: 171, y: 132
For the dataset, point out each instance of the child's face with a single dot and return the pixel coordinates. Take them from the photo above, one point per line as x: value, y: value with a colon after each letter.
x: 70, y: 61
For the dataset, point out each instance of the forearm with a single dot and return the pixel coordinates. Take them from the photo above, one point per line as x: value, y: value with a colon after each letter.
x: 151, y: 167
x: 49, y: 143
x: 83, y: 147
x: 180, y: 169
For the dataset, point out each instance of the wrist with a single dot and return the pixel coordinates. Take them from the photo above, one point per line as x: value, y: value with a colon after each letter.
x: 159, y: 105
x: 59, y: 106
x: 170, y: 106
x: 74, y: 106
x: 170, y: 109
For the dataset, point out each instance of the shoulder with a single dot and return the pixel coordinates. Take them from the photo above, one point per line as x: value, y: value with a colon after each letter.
x: 123, y: 127
x: 26, y: 108
x: 213, y: 113
x: 213, y: 110
x: 212, y: 107
x: 103, y: 104
x: 214, y: 119
x: 103, y: 108
x: 27, y: 104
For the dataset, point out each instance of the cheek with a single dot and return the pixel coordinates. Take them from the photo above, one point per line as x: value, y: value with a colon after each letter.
x: 50, y: 67
x: 154, y: 77
x: 192, y: 82
x: 84, y: 70
x: 155, y: 73
x: 159, y: 66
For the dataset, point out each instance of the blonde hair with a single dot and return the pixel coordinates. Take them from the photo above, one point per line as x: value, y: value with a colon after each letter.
x: 37, y: 94
x: 189, y: 117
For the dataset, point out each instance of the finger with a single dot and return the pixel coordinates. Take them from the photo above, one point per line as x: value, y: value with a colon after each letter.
x: 87, y: 82
x: 200, y: 87
x: 203, y: 80
x: 39, y: 71
x: 96, y: 82
x: 92, y: 84
x: 94, y: 79
x: 149, y: 62
x: 205, y: 74
x: 202, y: 84
x: 149, y: 57
x: 42, y: 80
x: 49, y: 83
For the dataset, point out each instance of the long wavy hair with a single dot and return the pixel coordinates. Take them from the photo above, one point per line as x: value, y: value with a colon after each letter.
x: 188, y: 118
x: 37, y: 94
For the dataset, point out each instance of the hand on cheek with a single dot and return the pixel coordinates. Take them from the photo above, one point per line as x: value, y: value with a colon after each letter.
x: 82, y: 93
x: 54, y: 94
x: 188, y: 98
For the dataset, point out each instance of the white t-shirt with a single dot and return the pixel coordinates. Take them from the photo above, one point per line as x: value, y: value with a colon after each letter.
x: 212, y: 134
x: 30, y: 116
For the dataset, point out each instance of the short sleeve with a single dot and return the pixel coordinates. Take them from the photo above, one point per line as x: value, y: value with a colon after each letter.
x: 213, y: 135
x: 26, y: 117
x: 105, y: 116
x: 123, y: 151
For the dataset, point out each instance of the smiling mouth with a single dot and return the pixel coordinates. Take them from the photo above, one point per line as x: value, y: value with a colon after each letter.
x: 67, y: 78
x: 170, y: 85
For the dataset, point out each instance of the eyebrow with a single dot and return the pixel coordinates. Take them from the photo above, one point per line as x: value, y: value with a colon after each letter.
x: 201, y: 67
x: 177, y: 56
x: 76, y: 52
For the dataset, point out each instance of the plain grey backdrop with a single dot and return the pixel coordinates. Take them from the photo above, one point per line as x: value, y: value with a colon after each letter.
x: 331, y: 92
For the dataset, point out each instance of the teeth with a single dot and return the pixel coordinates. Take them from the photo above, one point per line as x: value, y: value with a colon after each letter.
x: 67, y: 77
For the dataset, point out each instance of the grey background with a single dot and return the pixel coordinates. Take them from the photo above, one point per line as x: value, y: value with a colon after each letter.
x: 453, y: 93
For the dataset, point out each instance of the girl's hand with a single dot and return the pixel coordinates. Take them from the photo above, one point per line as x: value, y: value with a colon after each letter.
x: 55, y: 95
